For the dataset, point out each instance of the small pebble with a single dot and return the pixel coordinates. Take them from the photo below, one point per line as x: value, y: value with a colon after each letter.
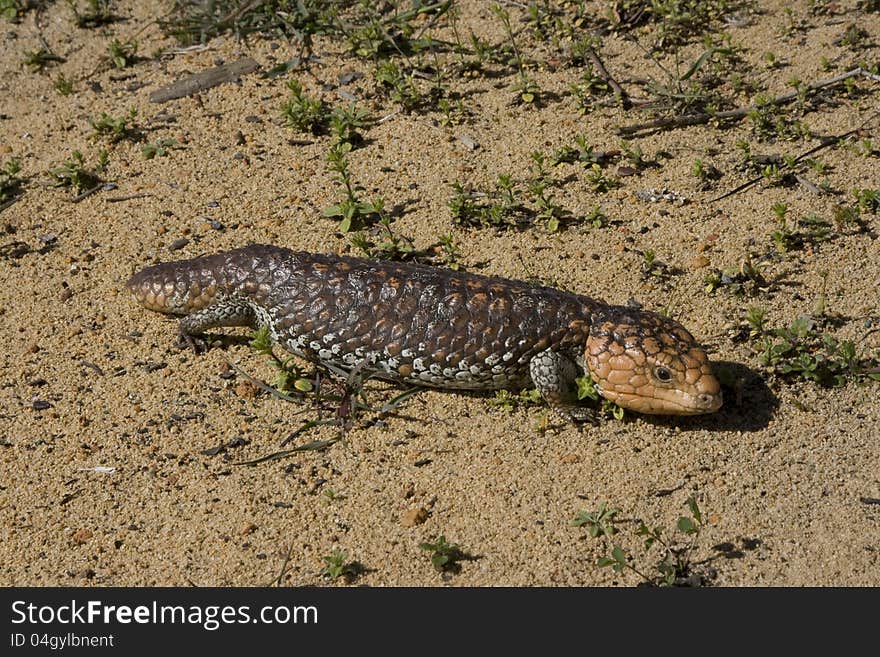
x: 468, y: 142
x: 414, y: 516
x: 246, y: 390
x: 80, y: 536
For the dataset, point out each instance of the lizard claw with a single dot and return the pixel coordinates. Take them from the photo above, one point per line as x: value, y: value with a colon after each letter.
x: 188, y: 341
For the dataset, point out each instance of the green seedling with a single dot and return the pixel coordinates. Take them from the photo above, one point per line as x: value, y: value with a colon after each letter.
x: 10, y: 183
x: 801, y: 350
x: 444, y: 556
x: 526, y: 89
x: 346, y: 123
x: 158, y: 148
x: 495, y: 208
x: 745, y: 280
x: 302, y: 112
x: 96, y: 13
x: 597, y: 181
x: 451, y: 252
x: 401, y: 87
x: 394, y: 246
x: 74, y: 174
x: 115, y: 129
x: 12, y: 10
x: 354, y: 214
x: 39, y: 59
x: 289, y: 378
x: 672, y: 567
x: 123, y: 53
x: 338, y: 565
x: 509, y: 401
x: 586, y: 389
x: 63, y: 86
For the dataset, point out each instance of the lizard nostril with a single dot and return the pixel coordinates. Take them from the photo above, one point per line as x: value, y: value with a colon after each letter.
x: 706, y: 400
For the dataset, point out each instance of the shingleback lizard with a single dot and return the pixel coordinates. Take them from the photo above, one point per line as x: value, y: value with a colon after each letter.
x: 435, y: 327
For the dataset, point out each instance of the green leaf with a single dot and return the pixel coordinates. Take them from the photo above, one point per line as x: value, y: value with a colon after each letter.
x: 619, y: 555
x: 303, y: 385
x: 586, y: 388
x: 695, y: 509
x: 699, y: 63
x: 604, y: 562
x: 686, y: 525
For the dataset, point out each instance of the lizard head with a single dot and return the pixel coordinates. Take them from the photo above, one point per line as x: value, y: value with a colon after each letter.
x: 650, y: 364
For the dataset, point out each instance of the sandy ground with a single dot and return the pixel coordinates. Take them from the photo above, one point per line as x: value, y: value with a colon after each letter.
x: 107, y: 473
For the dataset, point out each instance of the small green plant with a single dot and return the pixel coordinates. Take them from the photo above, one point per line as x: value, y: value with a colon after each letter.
x: 123, y: 53
x: 115, y: 129
x: 394, y: 246
x: 453, y: 112
x: 596, y: 218
x: 476, y: 208
x: 546, y: 209
x: 783, y: 236
x: 656, y: 268
x: 354, y: 214
x: 338, y: 565
x: 346, y: 122
x: 63, y: 85
x: 288, y: 376
x: 302, y: 112
x: 586, y: 389
x: 581, y: 152
x: 745, y: 280
x: 38, y: 60
x: 589, y: 88
x: 400, y: 86
x: 158, y: 148
x: 509, y: 401
x: 74, y: 174
x: 673, y: 567
x: 868, y: 200
x: 801, y: 350
x: 444, y: 555
x: 810, y: 230
x: 755, y: 318
x: 96, y: 13
x: 12, y: 10
x: 10, y: 183
x: 769, y: 121
x: 597, y: 181
x: 450, y: 251
x: 526, y: 89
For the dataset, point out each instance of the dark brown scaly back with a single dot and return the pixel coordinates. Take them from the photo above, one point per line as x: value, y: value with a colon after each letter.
x: 432, y: 324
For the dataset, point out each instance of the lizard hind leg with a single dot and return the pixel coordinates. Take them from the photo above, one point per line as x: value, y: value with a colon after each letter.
x: 554, y: 374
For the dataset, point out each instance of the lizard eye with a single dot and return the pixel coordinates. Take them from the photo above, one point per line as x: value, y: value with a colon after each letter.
x: 662, y: 374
